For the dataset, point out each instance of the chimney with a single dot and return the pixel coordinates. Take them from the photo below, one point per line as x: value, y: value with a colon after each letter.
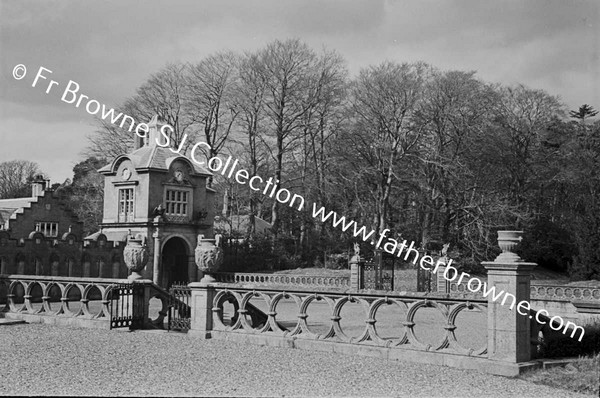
x: 38, y: 186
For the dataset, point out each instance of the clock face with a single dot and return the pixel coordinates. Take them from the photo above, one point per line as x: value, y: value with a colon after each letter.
x: 179, y: 175
x: 126, y: 174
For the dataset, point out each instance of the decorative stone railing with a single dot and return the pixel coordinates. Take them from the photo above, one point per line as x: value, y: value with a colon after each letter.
x: 68, y: 298
x: 570, y: 293
x: 462, y: 290
x: 60, y: 296
x: 283, y: 279
x: 543, y: 292
x: 410, y: 333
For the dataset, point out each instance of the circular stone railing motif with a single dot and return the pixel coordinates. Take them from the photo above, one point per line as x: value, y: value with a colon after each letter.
x: 59, y: 298
x: 333, y: 329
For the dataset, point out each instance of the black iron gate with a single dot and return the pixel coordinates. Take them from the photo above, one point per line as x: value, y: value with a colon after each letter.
x: 179, y: 307
x: 379, y: 273
x: 424, y: 280
x: 127, y: 306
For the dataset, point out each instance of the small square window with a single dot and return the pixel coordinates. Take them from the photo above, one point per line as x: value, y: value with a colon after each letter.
x: 176, y: 202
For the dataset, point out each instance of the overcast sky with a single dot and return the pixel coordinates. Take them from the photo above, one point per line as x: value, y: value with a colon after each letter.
x: 111, y: 47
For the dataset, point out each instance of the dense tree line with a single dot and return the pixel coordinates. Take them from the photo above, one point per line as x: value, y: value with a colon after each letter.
x: 435, y: 156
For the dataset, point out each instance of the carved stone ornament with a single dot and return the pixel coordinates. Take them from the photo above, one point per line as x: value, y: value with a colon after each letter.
x: 209, y: 256
x: 508, y: 240
x: 136, y: 255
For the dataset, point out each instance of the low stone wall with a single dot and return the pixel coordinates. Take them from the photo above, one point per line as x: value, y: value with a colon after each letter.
x: 283, y: 279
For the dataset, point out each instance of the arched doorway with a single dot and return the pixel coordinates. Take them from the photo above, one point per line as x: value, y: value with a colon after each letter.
x: 175, y: 261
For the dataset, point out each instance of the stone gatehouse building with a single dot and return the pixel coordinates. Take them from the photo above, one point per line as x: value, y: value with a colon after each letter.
x: 152, y: 191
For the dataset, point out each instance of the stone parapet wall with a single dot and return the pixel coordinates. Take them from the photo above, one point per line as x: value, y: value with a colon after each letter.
x: 283, y: 279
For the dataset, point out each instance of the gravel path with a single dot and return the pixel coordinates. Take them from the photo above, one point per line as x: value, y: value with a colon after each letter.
x: 40, y: 359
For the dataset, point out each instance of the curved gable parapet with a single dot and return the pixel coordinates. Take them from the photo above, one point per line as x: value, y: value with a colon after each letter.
x: 101, y: 238
x: 36, y: 234
x: 112, y: 167
x: 69, y: 236
x: 169, y: 162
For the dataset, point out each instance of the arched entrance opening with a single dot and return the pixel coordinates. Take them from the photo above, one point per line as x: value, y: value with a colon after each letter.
x: 175, y: 256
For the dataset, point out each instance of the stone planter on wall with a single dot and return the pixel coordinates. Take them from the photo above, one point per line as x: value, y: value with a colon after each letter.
x: 209, y: 257
x: 136, y: 255
x: 508, y: 241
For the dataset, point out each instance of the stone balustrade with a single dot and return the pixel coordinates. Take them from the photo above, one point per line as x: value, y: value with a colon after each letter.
x: 283, y: 279
x: 359, y: 327
x: 357, y: 322
x: 545, y: 292
x: 66, y: 300
x: 565, y: 292
x: 60, y: 296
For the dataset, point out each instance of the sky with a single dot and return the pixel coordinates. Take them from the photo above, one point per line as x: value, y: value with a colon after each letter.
x: 111, y: 47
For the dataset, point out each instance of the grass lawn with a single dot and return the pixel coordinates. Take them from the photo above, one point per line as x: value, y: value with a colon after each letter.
x: 581, y: 376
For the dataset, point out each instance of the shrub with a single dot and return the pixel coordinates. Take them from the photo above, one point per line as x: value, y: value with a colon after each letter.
x: 557, y: 345
x: 549, y: 245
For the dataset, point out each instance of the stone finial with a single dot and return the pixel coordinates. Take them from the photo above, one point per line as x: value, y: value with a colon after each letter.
x: 508, y: 240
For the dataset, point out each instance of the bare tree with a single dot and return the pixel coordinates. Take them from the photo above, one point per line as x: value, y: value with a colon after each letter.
x: 209, y: 98
x: 164, y: 95
x: 250, y: 101
x: 286, y: 69
x: 383, y: 99
x: 15, y: 177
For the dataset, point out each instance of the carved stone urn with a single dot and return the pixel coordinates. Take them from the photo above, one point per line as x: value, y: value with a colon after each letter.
x: 508, y: 240
x: 209, y: 257
x: 136, y: 255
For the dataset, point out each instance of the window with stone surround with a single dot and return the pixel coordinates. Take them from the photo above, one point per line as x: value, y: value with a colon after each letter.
x: 177, y: 202
x: 126, y: 205
x: 49, y: 229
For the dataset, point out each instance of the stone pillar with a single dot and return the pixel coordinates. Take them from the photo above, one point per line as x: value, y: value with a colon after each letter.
x: 202, y: 304
x: 509, y: 333
x: 156, y: 258
x: 146, y: 308
x: 355, y: 273
x: 443, y: 285
x: 192, y: 269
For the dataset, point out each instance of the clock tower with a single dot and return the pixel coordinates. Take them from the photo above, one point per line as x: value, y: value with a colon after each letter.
x: 156, y: 192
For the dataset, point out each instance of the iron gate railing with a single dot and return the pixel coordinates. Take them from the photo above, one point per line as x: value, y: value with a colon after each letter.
x: 179, y: 307
x: 424, y: 280
x: 127, y: 306
x: 378, y: 274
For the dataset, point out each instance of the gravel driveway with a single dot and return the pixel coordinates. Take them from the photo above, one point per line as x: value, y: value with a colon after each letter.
x: 40, y: 359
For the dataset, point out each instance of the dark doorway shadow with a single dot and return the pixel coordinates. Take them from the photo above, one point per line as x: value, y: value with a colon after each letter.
x: 175, y: 261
